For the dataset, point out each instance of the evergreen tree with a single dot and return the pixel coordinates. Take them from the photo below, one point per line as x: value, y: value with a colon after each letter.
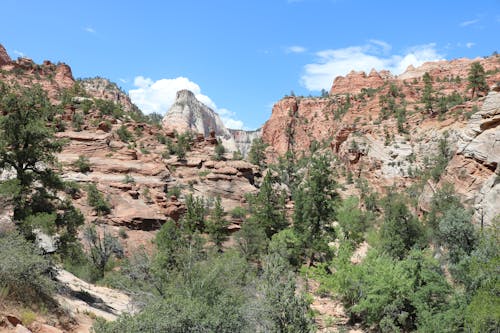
x: 28, y: 146
x: 401, y: 230
x: 427, y: 96
x: 476, y: 78
x: 217, y: 224
x: 314, y: 209
x: 257, y: 155
x: 268, y: 207
x: 284, y: 311
x: 194, y: 218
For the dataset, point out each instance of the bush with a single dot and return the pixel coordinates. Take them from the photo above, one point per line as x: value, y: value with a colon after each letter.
x: 97, y: 200
x: 77, y: 121
x: 219, y: 151
x: 82, y: 164
x: 238, y: 212
x: 24, y: 273
x: 124, y: 134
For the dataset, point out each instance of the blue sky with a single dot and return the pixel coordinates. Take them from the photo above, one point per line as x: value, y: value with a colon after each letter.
x: 241, y: 56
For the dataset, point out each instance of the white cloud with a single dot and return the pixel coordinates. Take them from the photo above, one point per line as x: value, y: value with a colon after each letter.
x: 386, y: 47
x: 332, y: 63
x: 157, y: 96
x: 19, y: 53
x: 295, y: 49
x: 470, y: 44
x: 467, y: 23
x: 90, y: 30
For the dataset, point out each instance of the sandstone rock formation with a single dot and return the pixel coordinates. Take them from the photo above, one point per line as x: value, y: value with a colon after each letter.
x: 104, y: 89
x: 369, y: 145
x: 4, y: 56
x: 189, y: 114
x: 354, y: 82
x: 479, y: 148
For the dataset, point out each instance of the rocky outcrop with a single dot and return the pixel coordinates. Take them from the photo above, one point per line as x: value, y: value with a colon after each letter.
x: 479, y: 148
x: 355, y: 82
x: 4, y: 56
x: 102, y: 88
x: 187, y: 113
x: 243, y: 139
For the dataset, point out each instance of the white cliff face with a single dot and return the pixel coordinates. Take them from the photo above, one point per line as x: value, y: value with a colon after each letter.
x: 187, y: 113
x: 480, y: 142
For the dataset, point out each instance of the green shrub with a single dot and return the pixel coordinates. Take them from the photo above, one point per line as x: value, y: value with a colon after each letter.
x: 24, y: 273
x: 219, y: 151
x: 124, y: 134
x: 238, y: 212
x: 77, y: 121
x: 97, y: 200
x: 128, y: 179
x: 27, y: 317
x: 82, y: 164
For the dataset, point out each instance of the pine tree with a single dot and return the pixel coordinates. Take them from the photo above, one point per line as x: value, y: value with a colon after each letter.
x: 476, y: 78
x: 256, y: 155
x: 427, y: 96
x: 315, y: 208
x: 268, y: 208
x: 217, y: 224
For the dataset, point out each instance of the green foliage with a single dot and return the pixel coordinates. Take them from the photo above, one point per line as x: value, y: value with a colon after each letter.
x: 24, y: 273
x: 101, y: 248
x: 251, y: 240
x: 395, y: 296
x: 237, y: 155
x: 315, y: 209
x: 219, y: 151
x: 441, y: 159
x: 352, y: 220
x: 238, y: 212
x: 124, y: 134
x: 477, y: 79
x: 109, y: 108
x: 77, y: 121
x: 82, y: 164
x: 428, y: 93
x: 401, y: 231
x: 194, y: 218
x: 268, y: 207
x: 483, y: 312
x: 209, y: 296
x: 282, y: 310
x: 174, y: 191
x: 457, y: 233
x: 28, y: 146
x: 97, y: 200
x: 287, y: 245
x: 128, y: 179
x: 257, y: 155
x: 217, y: 224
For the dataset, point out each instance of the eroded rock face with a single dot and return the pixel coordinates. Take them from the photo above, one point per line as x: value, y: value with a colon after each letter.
x: 4, y: 56
x: 354, y: 82
x: 480, y: 147
x: 187, y: 113
x: 104, y: 89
